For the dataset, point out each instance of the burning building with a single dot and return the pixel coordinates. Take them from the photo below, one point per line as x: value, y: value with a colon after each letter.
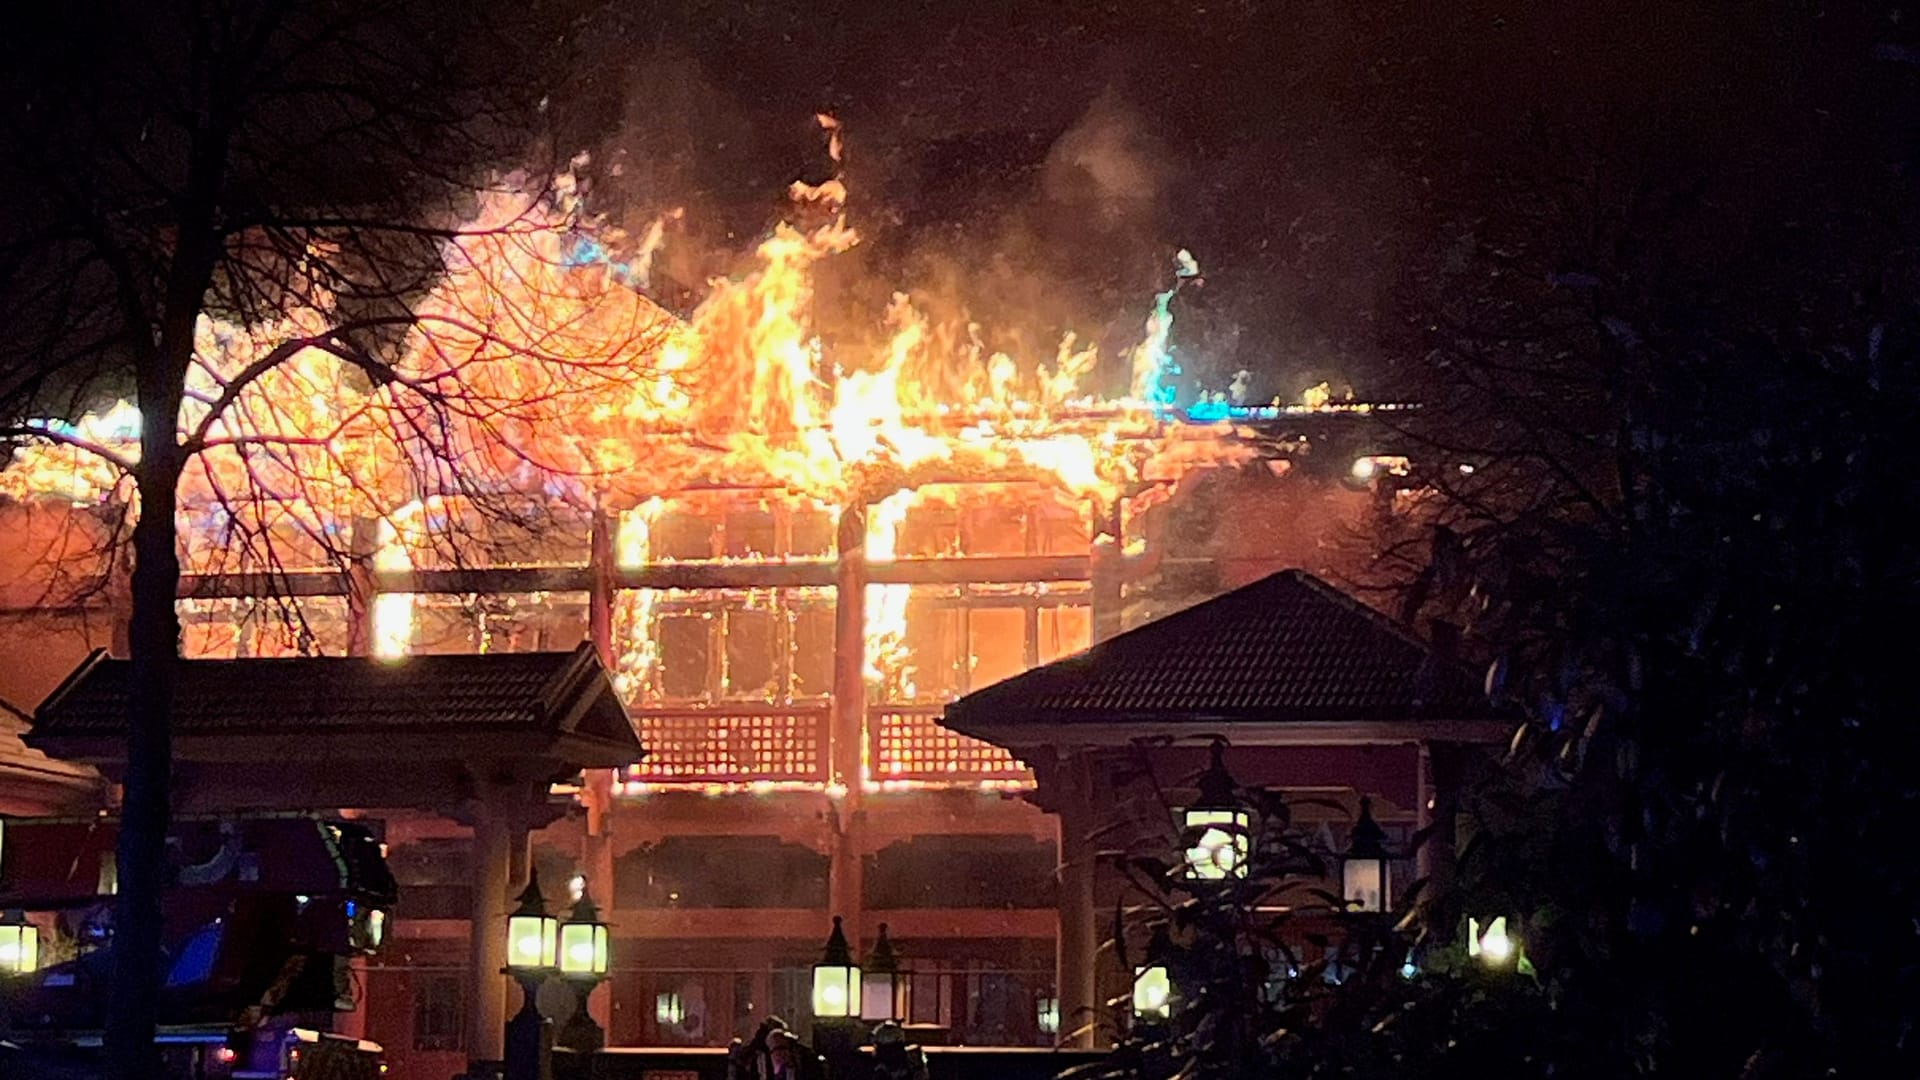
x: 791, y: 560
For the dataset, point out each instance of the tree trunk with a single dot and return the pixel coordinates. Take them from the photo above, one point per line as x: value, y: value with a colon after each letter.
x: 153, y: 646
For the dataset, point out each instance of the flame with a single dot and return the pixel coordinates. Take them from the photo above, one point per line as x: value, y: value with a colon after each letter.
x: 560, y: 379
x: 637, y: 653
x: 886, y: 606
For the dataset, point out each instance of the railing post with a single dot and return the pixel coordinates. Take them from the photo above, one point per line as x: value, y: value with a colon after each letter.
x: 845, y: 743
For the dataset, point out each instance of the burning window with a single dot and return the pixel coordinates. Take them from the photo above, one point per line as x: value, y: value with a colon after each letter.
x: 223, y: 629
x: 686, y: 656
x: 751, y: 534
x: 993, y: 530
x: 1061, y: 530
x: 996, y: 645
x: 812, y: 651
x: 1064, y: 631
x: 682, y: 536
x: 753, y: 670
x: 930, y: 530
x: 813, y: 531
x: 933, y: 647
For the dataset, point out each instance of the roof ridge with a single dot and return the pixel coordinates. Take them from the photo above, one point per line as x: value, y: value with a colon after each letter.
x: 1330, y: 591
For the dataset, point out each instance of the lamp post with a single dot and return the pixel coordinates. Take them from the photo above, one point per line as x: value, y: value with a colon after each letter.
x: 19, y: 945
x: 1217, y: 824
x: 836, y: 1002
x: 531, y: 949
x: 583, y: 964
x: 1364, y: 870
x: 883, y: 985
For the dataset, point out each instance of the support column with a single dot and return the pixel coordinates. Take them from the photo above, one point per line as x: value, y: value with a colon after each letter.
x: 1078, y: 947
x: 362, y: 543
x: 597, y: 854
x: 1439, y: 806
x: 1107, y: 565
x: 597, y: 862
x: 600, y: 586
x: 848, y: 721
x: 487, y: 937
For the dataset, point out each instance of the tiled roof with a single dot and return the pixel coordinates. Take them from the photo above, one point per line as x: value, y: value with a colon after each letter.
x: 1289, y: 647
x: 501, y: 692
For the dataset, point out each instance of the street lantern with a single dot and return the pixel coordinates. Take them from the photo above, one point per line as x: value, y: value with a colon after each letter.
x: 836, y: 979
x: 531, y: 956
x: 1152, y: 994
x: 19, y: 945
x: 1217, y: 824
x: 883, y: 985
x: 1364, y: 870
x: 531, y: 932
x: 1492, y: 946
x: 583, y: 942
x: 1153, y: 983
x: 1047, y: 1015
x: 583, y: 964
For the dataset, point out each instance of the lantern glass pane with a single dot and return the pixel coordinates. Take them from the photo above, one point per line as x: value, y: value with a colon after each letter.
x: 530, y: 941
x: 1366, y: 884
x: 883, y: 995
x: 836, y: 991
x: 1220, y: 852
x: 1152, y: 993
x: 582, y: 949
x: 19, y: 949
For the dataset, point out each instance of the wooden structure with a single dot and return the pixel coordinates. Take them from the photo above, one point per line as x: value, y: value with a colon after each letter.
x: 1313, y: 689
x: 478, y: 739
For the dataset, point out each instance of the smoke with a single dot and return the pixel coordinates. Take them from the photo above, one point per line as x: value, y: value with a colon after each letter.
x: 1006, y: 238
x: 1107, y: 172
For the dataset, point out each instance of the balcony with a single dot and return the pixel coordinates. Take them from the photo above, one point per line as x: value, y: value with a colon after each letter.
x: 905, y: 743
x: 787, y: 745
x: 744, y: 743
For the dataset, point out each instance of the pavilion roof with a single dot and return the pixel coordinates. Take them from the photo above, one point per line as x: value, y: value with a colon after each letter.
x: 491, y: 694
x: 1288, y: 649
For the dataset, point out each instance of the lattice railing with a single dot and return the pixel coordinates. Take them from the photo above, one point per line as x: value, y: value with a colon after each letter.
x: 732, y: 744
x: 906, y: 742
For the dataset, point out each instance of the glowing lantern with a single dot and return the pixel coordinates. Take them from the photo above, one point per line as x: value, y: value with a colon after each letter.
x: 531, y: 932
x: 1365, y: 868
x: 1491, y: 946
x: 583, y: 941
x: 1152, y: 994
x: 19, y: 945
x: 1047, y: 1015
x: 883, y: 986
x: 836, y: 979
x: 1217, y: 825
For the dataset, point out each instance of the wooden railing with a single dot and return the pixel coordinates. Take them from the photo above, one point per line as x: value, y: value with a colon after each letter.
x: 733, y: 743
x: 906, y: 742
x: 748, y: 742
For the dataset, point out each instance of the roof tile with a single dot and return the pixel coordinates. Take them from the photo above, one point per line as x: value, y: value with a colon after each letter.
x: 1287, y: 647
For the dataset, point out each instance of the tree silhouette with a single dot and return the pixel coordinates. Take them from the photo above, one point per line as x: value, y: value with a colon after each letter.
x: 319, y: 246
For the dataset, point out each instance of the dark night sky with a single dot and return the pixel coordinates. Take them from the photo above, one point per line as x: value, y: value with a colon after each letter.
x: 1041, y: 162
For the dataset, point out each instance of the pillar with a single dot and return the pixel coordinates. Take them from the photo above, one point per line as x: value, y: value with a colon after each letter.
x: 846, y: 728
x: 362, y: 542
x: 1438, y: 796
x: 1078, y: 947
x: 493, y: 840
x: 1107, y: 570
x: 600, y: 586
x: 596, y: 856
x: 520, y: 865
